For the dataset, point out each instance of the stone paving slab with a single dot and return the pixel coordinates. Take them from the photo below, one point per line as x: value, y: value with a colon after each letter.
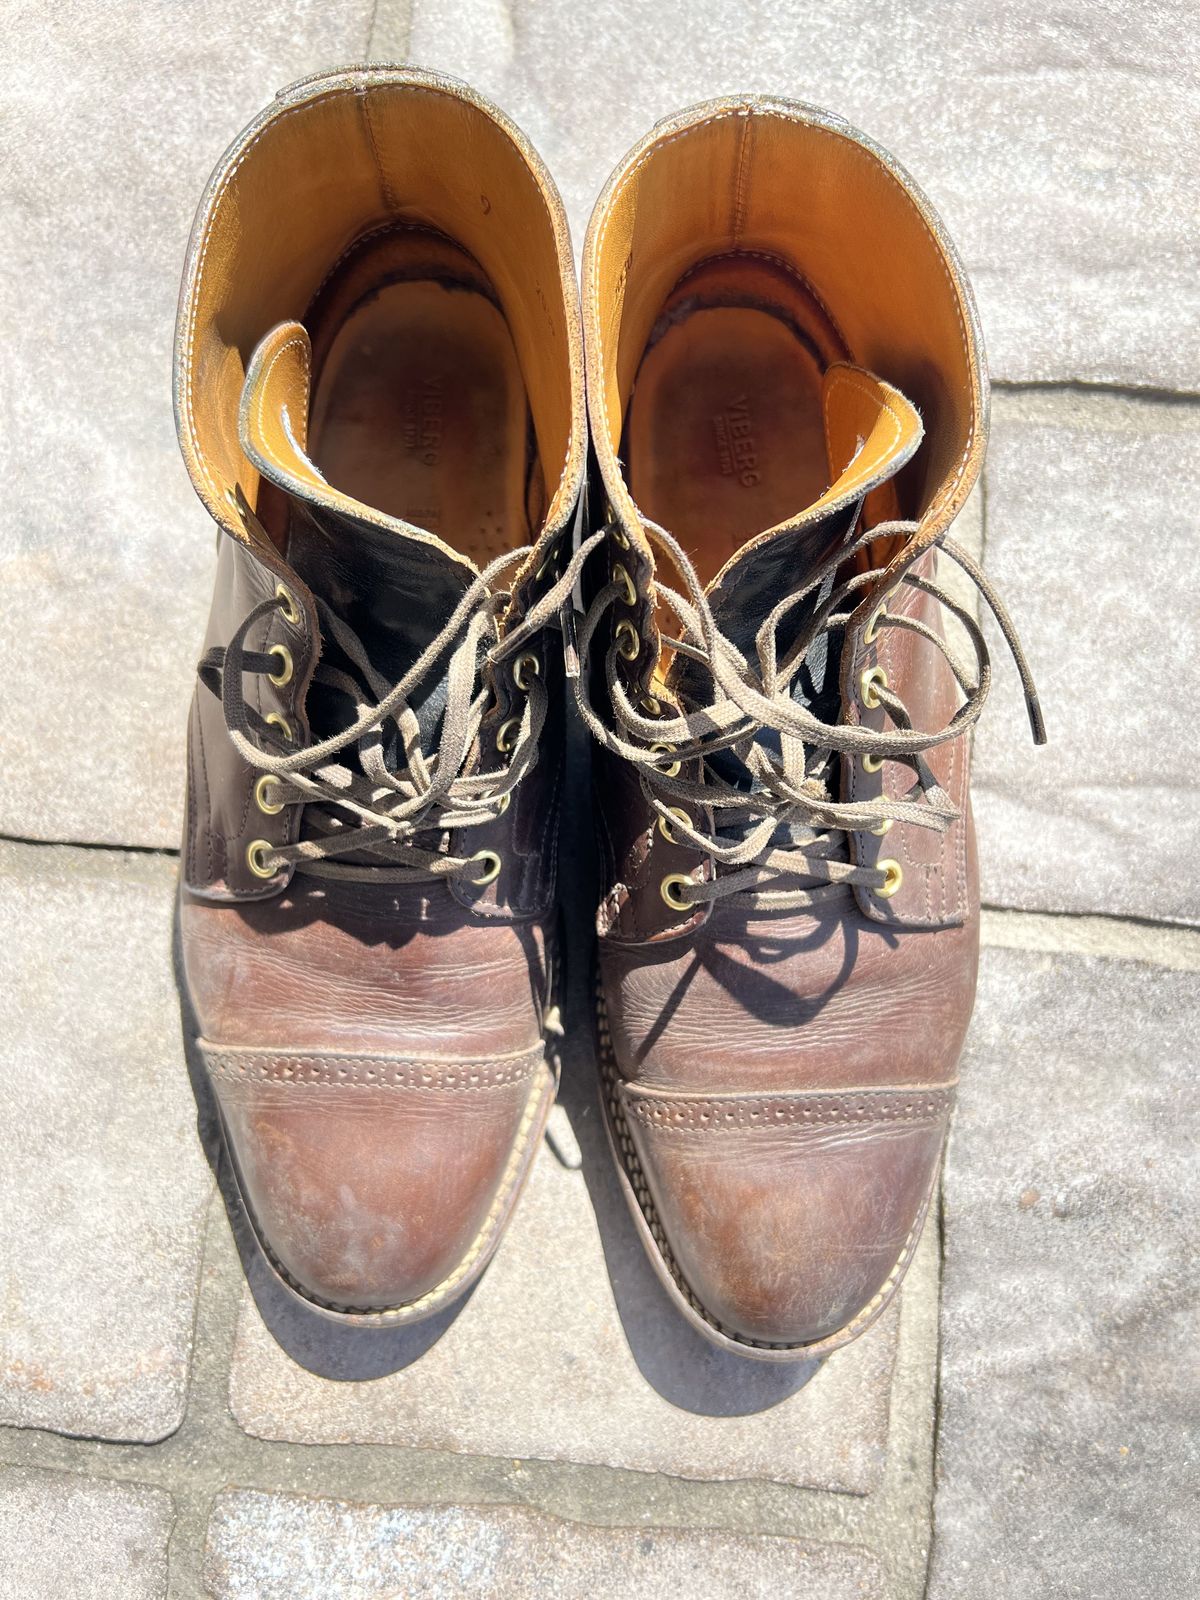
x: 1058, y: 144
x: 72, y: 1538
x: 1059, y: 148
x: 105, y: 1189
x: 1093, y: 540
x: 1068, y: 1448
x: 569, y: 1350
x: 115, y: 115
x: 283, y: 1547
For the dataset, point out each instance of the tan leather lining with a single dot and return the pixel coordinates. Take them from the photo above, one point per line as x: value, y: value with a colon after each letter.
x: 356, y: 151
x: 790, y: 182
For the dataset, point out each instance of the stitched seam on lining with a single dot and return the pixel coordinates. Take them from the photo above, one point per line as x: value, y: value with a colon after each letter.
x: 657, y: 145
x: 362, y: 95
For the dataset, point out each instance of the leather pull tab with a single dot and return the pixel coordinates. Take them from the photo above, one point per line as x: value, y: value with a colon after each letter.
x: 871, y: 431
x: 273, y: 415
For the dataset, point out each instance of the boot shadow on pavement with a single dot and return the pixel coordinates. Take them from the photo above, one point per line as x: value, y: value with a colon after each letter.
x: 673, y: 1357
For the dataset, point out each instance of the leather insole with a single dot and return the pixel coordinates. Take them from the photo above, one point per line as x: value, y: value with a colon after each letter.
x: 724, y: 434
x: 420, y: 407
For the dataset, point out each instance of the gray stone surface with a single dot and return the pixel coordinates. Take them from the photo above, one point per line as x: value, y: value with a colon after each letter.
x: 569, y: 1350
x: 1059, y: 147
x: 280, y: 1547
x: 1058, y: 144
x: 1093, y: 539
x: 71, y: 1538
x: 1069, y: 1441
x: 114, y: 116
x: 104, y: 1192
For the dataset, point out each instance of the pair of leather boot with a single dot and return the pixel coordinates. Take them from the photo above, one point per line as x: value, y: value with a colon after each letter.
x: 380, y: 397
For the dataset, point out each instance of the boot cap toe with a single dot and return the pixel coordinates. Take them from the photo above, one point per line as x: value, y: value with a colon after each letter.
x: 377, y: 1183
x: 789, y: 1218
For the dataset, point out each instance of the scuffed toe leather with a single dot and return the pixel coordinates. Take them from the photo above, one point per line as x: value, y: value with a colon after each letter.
x: 379, y: 398
x: 788, y: 402
x: 789, y: 1217
x: 375, y: 1181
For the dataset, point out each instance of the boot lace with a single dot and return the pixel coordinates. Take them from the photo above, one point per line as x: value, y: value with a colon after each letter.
x: 779, y: 840
x: 394, y: 810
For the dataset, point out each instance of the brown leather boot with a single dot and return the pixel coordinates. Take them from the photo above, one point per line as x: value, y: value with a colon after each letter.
x: 788, y: 405
x: 378, y: 391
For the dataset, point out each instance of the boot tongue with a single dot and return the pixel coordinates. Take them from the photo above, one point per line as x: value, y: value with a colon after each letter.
x: 394, y: 584
x: 871, y: 431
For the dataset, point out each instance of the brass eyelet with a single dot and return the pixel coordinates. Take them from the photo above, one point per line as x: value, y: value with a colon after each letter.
x: 269, y: 808
x: 884, y: 825
x: 287, y: 604
x: 652, y: 705
x: 256, y: 850
x: 893, y: 877
x: 286, y: 667
x: 620, y: 538
x: 665, y: 750
x: 506, y: 734
x: 871, y: 631
x: 872, y: 680
x: 674, y: 889
x: 489, y: 863
x: 629, y: 646
x: 505, y: 802
x: 545, y: 567
x: 629, y: 593
x: 664, y: 827
x: 283, y: 724
x: 872, y: 763
x: 527, y: 662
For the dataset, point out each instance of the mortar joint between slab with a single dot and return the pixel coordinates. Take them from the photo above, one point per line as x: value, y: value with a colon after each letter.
x: 1171, y: 946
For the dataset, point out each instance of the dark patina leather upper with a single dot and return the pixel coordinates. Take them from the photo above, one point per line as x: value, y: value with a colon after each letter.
x: 780, y: 1061
x: 376, y: 1045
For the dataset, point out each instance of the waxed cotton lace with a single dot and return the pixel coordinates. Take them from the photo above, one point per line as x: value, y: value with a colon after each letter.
x: 779, y: 842
x: 395, y: 815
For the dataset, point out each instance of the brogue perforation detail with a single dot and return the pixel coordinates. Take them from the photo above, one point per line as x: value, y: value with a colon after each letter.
x: 868, y: 1106
x: 334, y: 1071
x: 611, y: 1085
